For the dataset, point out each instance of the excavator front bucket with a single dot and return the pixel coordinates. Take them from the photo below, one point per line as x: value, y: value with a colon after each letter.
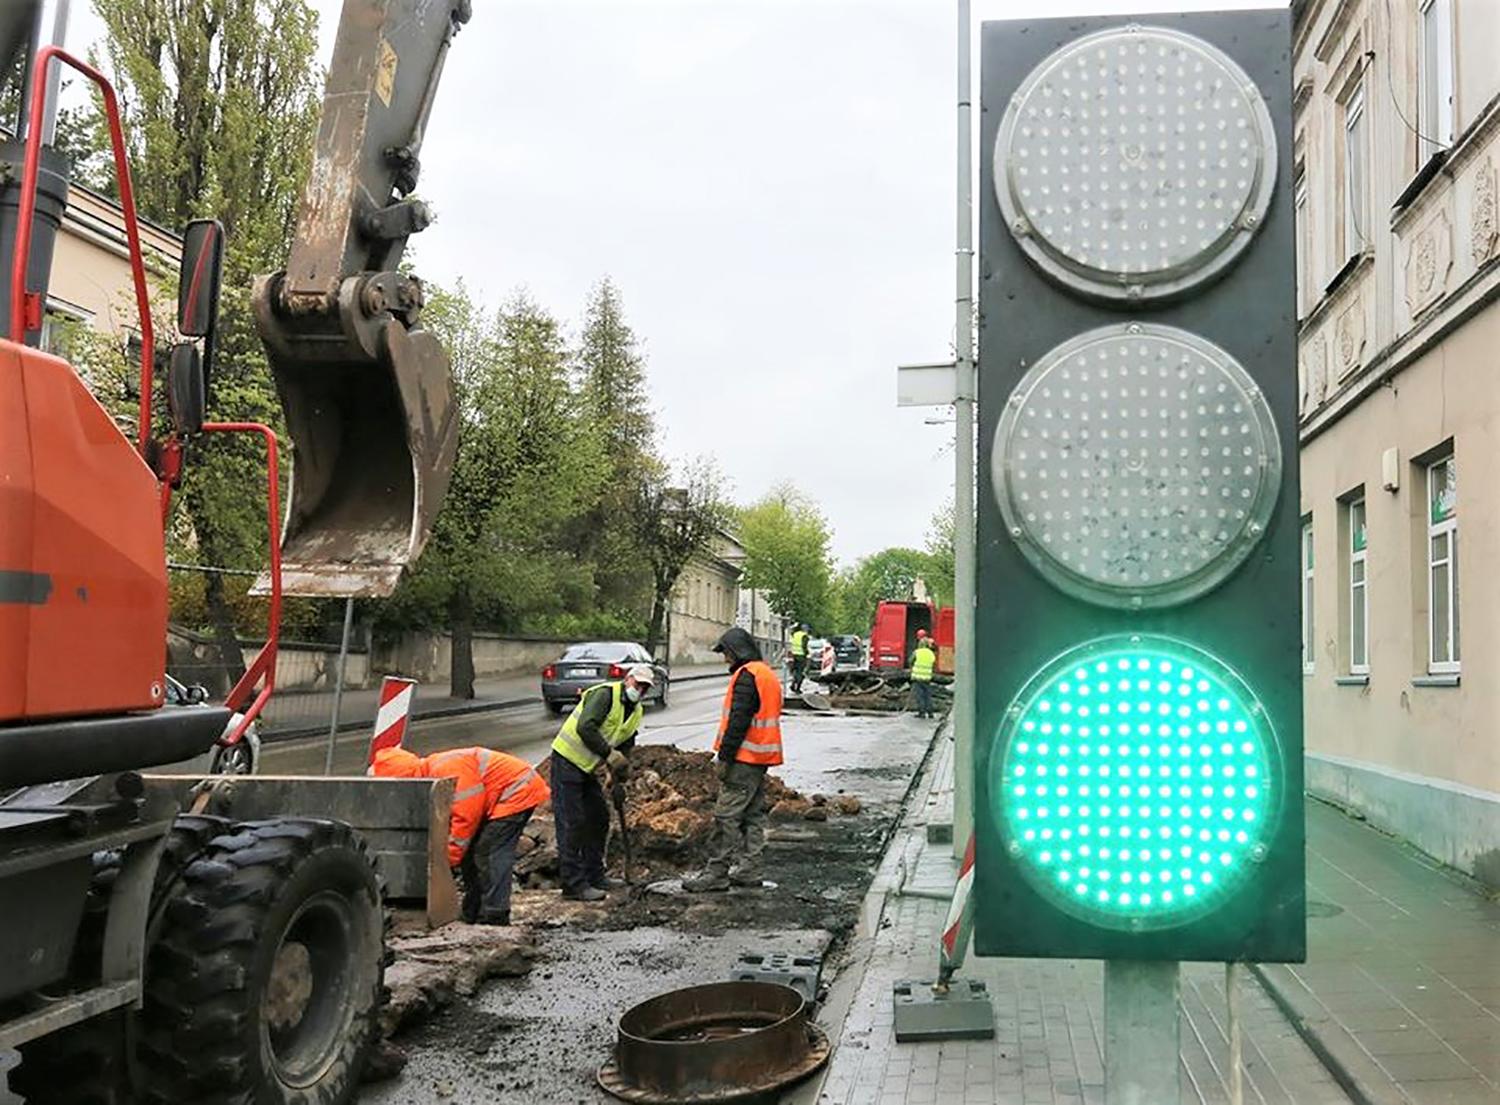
x: 373, y: 448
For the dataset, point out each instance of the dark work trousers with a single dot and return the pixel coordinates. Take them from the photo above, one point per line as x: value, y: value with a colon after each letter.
x: 739, y: 835
x: 582, y: 817
x: 923, y: 690
x: 488, y: 868
x: 799, y: 670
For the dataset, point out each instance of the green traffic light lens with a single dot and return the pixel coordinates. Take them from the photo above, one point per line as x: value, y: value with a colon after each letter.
x: 1135, y: 782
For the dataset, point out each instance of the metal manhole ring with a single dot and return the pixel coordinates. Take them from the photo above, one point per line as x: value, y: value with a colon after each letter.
x: 819, y: 1048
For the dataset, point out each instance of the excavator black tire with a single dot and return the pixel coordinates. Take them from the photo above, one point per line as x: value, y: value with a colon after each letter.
x: 265, y: 984
x: 87, y: 1064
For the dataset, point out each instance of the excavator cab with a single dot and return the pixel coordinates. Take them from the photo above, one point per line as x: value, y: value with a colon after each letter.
x: 367, y: 391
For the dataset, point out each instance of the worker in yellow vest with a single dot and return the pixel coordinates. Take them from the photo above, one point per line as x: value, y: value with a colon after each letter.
x: 597, y: 735
x: 801, y: 638
x: 923, y: 664
x: 749, y: 744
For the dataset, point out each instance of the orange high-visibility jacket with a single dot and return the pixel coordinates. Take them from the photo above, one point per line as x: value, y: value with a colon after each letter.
x: 762, y: 744
x: 487, y: 785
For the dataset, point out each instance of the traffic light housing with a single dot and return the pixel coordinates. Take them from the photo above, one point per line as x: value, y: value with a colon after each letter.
x: 1138, y: 751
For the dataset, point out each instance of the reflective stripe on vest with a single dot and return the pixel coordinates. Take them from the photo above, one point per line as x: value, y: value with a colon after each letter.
x: 618, y: 728
x: 762, y: 743
x: 517, y: 787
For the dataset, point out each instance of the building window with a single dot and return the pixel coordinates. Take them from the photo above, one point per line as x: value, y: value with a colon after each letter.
x: 1309, y: 638
x: 1359, y: 591
x: 1304, y: 241
x: 1435, y: 77
x: 1442, y: 567
x: 1356, y: 178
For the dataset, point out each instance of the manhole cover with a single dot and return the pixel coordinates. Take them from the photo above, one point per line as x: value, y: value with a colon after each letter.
x: 1318, y: 910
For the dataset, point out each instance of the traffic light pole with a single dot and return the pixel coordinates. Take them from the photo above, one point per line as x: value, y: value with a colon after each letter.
x: 1140, y: 1032
x: 963, y: 454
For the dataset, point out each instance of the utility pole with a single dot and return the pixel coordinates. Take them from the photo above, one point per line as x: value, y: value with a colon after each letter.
x: 963, y: 456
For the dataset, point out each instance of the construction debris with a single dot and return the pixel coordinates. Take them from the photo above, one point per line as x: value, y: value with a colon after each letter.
x: 669, y: 809
x: 429, y: 969
x: 887, y: 691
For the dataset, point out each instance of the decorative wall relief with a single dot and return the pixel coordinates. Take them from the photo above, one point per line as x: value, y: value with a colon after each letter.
x: 1429, y: 259
x: 1484, y: 226
x: 1350, y: 337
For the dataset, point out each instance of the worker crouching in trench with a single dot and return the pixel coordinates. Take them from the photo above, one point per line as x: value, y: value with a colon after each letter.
x: 494, y: 796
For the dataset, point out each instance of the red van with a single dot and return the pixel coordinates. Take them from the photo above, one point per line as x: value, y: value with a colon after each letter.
x: 895, y: 633
x: 946, y: 633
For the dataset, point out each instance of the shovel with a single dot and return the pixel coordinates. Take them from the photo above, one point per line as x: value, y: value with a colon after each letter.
x: 617, y: 796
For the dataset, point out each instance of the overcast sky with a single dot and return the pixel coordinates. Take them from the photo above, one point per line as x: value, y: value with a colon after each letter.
x: 769, y: 182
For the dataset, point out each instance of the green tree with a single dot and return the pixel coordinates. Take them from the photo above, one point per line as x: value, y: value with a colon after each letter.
x: 889, y: 575
x: 611, y: 372
x: 940, y: 551
x: 220, y: 102
x: 527, y: 465
x: 786, y: 541
x: 673, y: 522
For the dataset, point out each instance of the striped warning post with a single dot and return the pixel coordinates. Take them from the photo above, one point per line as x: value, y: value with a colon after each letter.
x: 955, y: 938
x: 396, y: 695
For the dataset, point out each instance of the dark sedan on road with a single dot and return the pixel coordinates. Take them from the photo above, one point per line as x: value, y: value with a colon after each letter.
x: 581, y: 666
x: 849, y: 650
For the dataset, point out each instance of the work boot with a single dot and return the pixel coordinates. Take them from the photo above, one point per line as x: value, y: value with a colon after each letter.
x: 502, y: 918
x: 609, y: 882
x: 706, y: 881
x: 746, y: 876
x: 586, y: 894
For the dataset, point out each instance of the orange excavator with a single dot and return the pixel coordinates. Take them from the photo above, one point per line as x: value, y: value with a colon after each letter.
x: 148, y: 952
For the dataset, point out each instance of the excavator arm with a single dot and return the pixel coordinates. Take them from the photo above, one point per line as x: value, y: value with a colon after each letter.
x: 367, y: 391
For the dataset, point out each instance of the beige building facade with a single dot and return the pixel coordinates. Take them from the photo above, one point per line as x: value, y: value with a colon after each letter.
x: 91, y: 277
x: 1397, y: 155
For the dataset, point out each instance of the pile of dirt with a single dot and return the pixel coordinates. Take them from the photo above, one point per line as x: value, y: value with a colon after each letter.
x: 669, y: 810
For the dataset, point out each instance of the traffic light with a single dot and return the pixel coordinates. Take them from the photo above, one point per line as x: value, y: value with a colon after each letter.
x: 1138, y: 752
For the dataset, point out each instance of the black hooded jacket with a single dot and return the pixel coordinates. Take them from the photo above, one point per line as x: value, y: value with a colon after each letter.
x: 739, y: 648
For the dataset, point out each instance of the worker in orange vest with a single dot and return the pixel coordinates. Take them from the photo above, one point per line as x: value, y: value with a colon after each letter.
x: 493, y: 798
x: 749, y: 744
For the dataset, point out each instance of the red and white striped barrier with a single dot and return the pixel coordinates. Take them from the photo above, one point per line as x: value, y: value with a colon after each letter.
x: 396, y: 696
x: 956, y: 926
x: 828, y: 660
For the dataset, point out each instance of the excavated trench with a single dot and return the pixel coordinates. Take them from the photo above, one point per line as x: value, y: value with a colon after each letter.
x: 540, y: 1035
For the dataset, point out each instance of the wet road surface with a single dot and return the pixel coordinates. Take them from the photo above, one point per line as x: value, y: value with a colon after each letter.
x: 690, y: 720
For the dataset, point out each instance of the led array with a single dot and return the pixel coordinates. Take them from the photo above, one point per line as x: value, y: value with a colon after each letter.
x: 1137, y: 460
x: 1133, y: 157
x: 1135, y: 781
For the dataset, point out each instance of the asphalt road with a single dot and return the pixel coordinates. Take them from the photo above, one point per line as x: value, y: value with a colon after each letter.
x: 689, y: 720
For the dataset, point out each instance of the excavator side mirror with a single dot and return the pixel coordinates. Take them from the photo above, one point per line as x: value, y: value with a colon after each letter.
x: 186, y: 389
x: 198, y: 283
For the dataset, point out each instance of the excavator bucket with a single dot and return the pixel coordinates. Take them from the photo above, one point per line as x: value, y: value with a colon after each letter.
x: 373, y: 448
x: 366, y: 390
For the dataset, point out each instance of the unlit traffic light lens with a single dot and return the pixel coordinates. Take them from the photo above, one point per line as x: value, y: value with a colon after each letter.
x: 1135, y: 163
x: 1136, y: 465
x: 1136, y: 785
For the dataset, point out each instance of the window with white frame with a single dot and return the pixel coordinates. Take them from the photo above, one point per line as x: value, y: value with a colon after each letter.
x: 1356, y: 182
x: 1309, y: 638
x: 1304, y: 240
x: 1359, y: 591
x: 1442, y: 567
x: 1435, y: 76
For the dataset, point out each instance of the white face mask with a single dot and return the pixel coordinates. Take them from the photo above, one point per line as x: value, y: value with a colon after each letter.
x: 632, y: 694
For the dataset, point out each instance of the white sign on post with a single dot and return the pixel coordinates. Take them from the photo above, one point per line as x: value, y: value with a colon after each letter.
x: 926, y: 385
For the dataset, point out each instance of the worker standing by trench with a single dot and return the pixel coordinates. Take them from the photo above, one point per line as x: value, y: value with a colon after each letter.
x: 597, y: 735
x: 748, y: 745
x: 923, y: 664
x: 800, y: 638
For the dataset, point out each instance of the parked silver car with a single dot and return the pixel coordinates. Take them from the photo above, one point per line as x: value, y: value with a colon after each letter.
x: 582, y: 665
x: 241, y: 758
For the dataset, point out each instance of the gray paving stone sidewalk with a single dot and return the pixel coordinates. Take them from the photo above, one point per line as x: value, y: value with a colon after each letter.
x: 1049, y: 1015
x: 1402, y: 983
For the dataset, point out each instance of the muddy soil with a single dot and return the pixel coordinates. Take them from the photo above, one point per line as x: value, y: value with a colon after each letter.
x: 537, y: 1040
